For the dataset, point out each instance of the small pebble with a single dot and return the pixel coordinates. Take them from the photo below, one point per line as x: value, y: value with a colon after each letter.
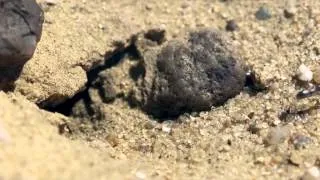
x: 263, y: 13
x: 316, y: 76
x: 150, y: 125
x: 310, y: 91
x: 51, y: 2
x: 296, y: 159
x: 253, y: 128
x: 4, y: 135
x: 140, y: 175
x: 101, y: 26
x: 260, y: 160
x: 166, y: 128
x: 277, y: 135
x: 312, y: 173
x: 232, y: 25
x: 148, y: 7
x: 289, y: 13
x: 185, y: 5
x: 301, y: 141
x: 290, y: 9
x: 304, y: 73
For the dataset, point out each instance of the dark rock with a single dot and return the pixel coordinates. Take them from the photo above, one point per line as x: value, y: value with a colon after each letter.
x: 232, y: 25
x: 21, y: 26
x: 288, y: 13
x: 20, y: 30
x: 263, y: 13
x: 191, y: 75
x: 7, y: 75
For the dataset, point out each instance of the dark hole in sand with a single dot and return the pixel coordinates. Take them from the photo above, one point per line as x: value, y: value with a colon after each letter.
x: 65, y: 108
x: 253, y: 85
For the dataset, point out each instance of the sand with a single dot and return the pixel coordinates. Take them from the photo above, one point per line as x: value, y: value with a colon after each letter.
x: 230, y: 141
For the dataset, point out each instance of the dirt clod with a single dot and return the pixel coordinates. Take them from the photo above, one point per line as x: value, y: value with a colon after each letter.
x: 191, y: 75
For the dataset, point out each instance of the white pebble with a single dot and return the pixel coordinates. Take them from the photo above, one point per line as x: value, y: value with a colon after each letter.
x: 312, y: 173
x: 140, y: 175
x: 4, y: 135
x: 304, y: 73
x: 166, y: 129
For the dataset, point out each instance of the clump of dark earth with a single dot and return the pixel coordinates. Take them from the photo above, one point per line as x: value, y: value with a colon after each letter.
x: 20, y: 30
x: 192, y: 74
x: 232, y: 25
x: 168, y: 78
x: 263, y: 13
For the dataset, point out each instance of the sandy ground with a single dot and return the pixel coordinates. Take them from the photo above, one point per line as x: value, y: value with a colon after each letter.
x: 226, y: 142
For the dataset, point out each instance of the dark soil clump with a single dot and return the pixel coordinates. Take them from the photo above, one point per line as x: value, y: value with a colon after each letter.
x: 192, y: 75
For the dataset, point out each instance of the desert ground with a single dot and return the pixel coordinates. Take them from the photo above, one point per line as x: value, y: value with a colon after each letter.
x: 268, y: 134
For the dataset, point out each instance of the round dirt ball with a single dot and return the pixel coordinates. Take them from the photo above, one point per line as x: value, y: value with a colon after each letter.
x: 20, y: 30
x: 194, y: 75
